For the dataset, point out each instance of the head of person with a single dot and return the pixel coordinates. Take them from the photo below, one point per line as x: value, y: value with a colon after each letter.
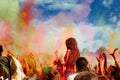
x: 86, y: 75
x: 71, y: 43
x: 112, y: 69
x: 81, y: 64
x: 115, y: 73
x: 1, y: 50
x: 53, y: 74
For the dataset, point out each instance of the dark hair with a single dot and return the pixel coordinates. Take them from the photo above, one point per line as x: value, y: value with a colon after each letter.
x: 86, y: 75
x: 115, y: 73
x: 52, y: 74
x: 71, y: 43
x: 1, y: 49
x: 81, y: 63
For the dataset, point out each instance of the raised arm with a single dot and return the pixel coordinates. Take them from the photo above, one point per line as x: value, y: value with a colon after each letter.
x: 67, y: 55
x: 56, y: 55
x: 115, y: 59
x: 105, y: 62
x: 100, y: 65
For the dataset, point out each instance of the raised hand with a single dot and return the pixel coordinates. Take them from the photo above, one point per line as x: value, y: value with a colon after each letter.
x: 115, y: 59
x: 114, y: 53
x: 57, y: 59
x: 104, y: 55
x: 56, y: 53
x: 100, y: 58
x: 100, y: 65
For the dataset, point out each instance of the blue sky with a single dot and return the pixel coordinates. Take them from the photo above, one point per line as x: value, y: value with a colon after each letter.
x: 104, y: 15
x: 94, y: 23
x: 108, y: 10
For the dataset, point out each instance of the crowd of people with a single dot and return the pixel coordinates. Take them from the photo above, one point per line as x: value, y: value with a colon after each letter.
x: 72, y: 66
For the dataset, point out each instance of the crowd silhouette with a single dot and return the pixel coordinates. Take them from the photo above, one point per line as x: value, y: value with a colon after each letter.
x: 72, y: 66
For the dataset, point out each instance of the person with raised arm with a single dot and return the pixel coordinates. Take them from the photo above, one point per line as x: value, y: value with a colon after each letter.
x: 72, y: 54
x: 59, y: 65
x: 100, y: 65
x: 105, y: 64
x: 114, y: 54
